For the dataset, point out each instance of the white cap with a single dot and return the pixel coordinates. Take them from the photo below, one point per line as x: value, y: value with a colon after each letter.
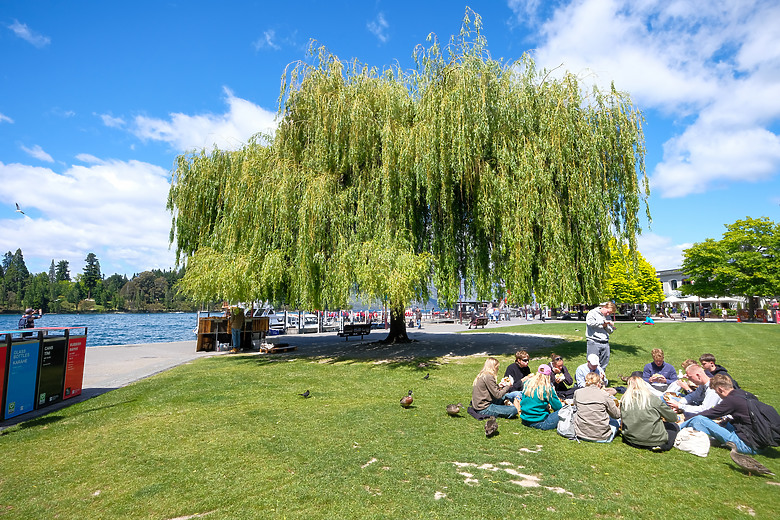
x: 593, y: 359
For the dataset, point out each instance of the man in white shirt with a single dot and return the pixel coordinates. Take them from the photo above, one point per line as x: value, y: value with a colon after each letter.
x: 592, y: 365
x: 711, y: 398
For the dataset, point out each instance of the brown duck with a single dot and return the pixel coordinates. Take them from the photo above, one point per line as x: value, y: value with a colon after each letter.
x: 491, y: 427
x: 406, y: 401
x: 453, y: 409
x: 747, y: 462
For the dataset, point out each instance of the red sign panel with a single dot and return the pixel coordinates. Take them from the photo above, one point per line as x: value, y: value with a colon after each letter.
x: 74, y: 366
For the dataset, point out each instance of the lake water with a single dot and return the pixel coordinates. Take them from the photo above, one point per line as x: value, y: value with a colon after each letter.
x: 119, y: 329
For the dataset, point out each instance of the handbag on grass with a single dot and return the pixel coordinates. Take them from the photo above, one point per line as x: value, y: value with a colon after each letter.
x: 693, y: 441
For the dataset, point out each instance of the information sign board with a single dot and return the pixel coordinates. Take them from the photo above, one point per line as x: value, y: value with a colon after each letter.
x: 74, y: 366
x: 22, y: 372
x: 52, y: 371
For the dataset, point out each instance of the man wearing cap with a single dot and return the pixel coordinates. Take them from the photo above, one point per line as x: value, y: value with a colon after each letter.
x: 592, y: 365
x: 27, y: 321
x: 599, y: 327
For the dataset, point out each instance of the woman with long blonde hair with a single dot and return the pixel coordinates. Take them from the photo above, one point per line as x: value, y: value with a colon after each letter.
x: 487, y: 397
x: 539, y: 398
x: 648, y: 422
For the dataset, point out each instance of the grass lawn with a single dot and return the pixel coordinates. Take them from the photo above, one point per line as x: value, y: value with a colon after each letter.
x: 228, y: 437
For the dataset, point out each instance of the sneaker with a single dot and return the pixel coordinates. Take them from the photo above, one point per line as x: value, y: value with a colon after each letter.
x: 655, y: 448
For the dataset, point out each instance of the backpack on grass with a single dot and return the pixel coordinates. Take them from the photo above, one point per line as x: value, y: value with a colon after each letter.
x: 566, y: 422
x: 765, y: 421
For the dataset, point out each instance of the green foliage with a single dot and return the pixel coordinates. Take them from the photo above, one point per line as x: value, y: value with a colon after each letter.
x: 37, y: 292
x: 383, y: 182
x: 745, y: 262
x: 150, y: 291
x: 91, y: 273
x: 15, y: 278
x: 631, y: 278
x: 62, y: 271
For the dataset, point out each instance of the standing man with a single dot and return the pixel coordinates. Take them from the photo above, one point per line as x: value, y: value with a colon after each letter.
x: 599, y: 327
x: 27, y: 321
x: 236, y: 325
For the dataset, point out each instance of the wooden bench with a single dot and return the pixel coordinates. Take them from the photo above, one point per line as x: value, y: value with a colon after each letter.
x: 355, y: 329
x: 479, y: 320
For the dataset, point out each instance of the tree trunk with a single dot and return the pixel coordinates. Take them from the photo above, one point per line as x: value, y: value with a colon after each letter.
x: 397, y: 332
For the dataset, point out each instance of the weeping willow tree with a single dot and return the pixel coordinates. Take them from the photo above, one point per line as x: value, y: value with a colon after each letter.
x: 385, y: 183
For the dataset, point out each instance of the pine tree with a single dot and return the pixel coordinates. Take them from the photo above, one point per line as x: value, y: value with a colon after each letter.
x: 91, y: 274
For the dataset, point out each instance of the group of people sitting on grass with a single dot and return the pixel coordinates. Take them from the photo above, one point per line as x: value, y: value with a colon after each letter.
x: 655, y: 405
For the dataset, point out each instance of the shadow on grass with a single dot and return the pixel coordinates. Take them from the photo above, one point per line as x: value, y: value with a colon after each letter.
x: 422, y: 365
x: 34, y: 423
x: 45, y: 416
x: 421, y: 354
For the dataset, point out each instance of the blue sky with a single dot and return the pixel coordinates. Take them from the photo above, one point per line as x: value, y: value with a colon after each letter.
x: 98, y: 98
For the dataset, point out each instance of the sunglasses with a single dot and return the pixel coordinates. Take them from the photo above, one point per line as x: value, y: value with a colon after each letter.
x: 558, y: 358
x: 525, y: 360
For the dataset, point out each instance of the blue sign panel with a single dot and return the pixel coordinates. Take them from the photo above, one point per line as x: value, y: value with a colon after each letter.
x: 22, y: 372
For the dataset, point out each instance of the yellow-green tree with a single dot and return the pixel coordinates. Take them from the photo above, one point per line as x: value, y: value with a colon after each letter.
x: 384, y: 183
x: 631, y: 278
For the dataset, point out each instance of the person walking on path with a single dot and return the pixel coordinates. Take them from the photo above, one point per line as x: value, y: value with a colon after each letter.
x: 599, y: 327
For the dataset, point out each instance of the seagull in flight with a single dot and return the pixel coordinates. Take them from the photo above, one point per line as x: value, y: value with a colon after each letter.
x: 18, y: 209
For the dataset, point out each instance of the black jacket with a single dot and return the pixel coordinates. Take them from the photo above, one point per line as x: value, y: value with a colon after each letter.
x: 721, y: 370
x: 735, y: 405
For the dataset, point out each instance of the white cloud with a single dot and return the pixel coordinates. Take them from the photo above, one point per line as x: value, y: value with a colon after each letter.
x: 660, y: 251
x: 112, y: 122
x: 707, y: 155
x: 89, y: 158
x: 62, y: 113
x: 5, y: 119
x: 89, y: 209
x: 25, y: 33
x: 379, y: 27
x: 713, y: 67
x: 267, y: 41
x: 226, y: 131
x: 37, y: 152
